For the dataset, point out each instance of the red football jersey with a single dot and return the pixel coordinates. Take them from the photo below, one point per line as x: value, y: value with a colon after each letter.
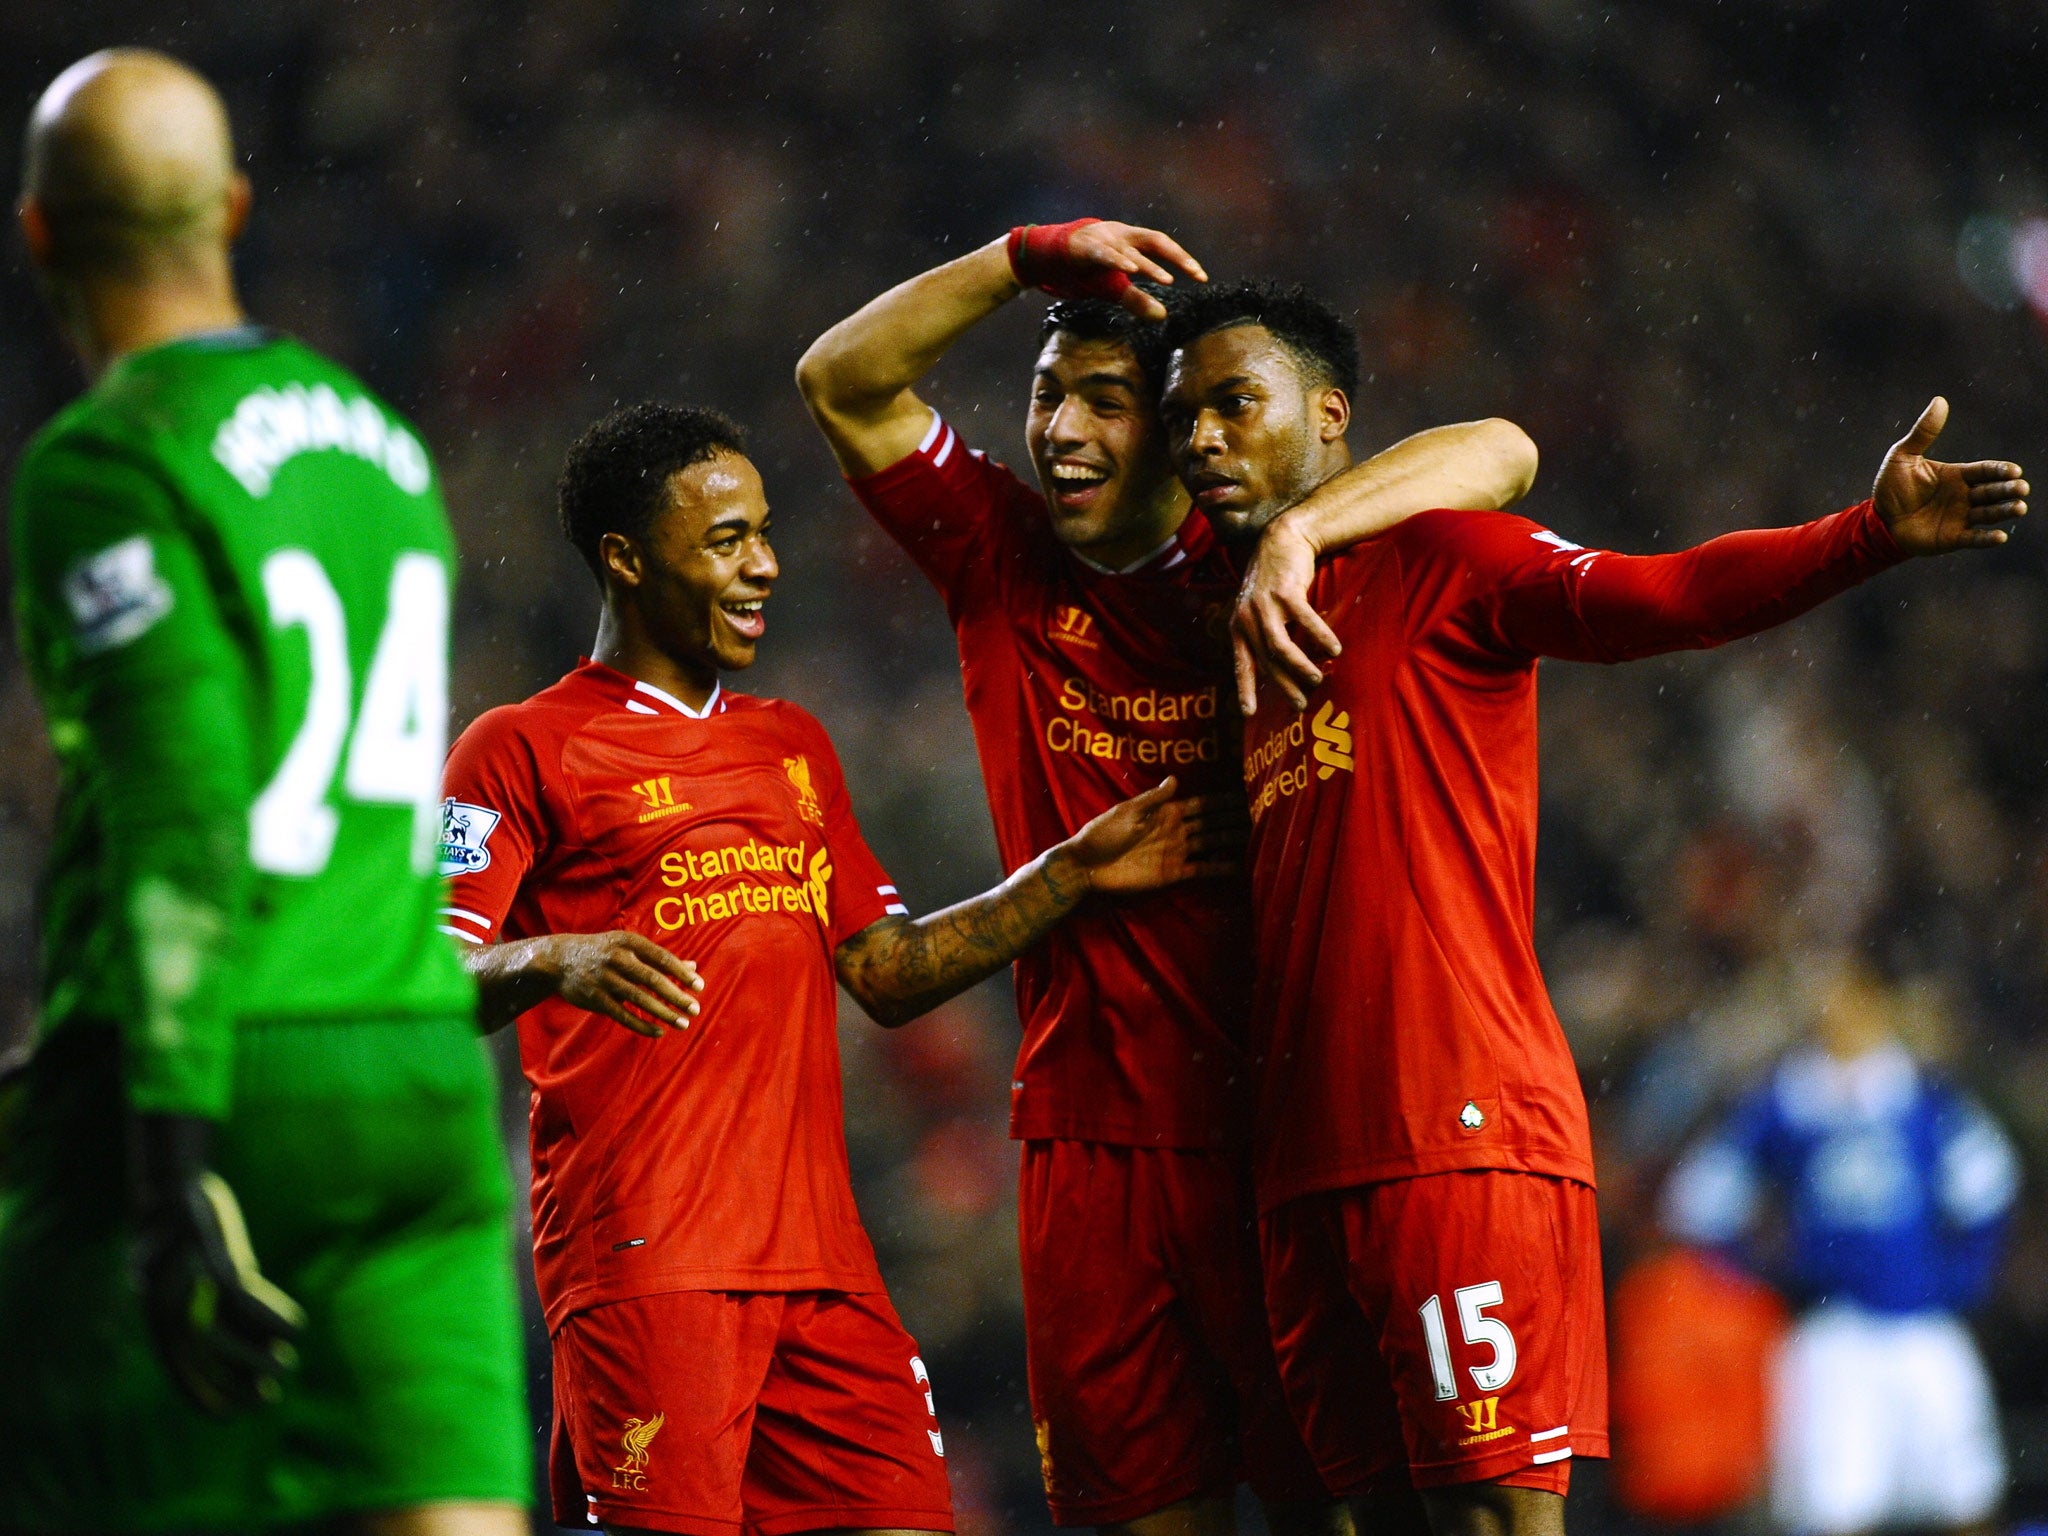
x: 1401, y: 1021
x: 1085, y: 687
x: 714, y: 1158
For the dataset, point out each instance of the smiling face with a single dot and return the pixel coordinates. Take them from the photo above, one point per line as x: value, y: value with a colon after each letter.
x: 1248, y: 432
x: 1100, y: 456
x: 700, y: 578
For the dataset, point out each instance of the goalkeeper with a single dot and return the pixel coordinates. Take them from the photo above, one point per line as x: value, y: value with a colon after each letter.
x: 254, y: 1260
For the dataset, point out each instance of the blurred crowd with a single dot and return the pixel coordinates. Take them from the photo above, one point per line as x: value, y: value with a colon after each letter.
x: 1706, y: 255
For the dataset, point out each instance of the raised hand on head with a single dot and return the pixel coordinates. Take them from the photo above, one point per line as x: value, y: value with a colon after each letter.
x: 1098, y: 259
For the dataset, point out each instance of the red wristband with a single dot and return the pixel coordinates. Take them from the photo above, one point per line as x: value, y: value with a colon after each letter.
x: 1041, y: 256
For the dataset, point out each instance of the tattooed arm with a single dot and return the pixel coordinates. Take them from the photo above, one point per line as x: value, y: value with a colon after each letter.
x: 902, y: 967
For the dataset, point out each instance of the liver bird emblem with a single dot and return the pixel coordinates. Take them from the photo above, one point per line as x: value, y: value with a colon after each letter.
x: 639, y: 1436
x: 799, y: 770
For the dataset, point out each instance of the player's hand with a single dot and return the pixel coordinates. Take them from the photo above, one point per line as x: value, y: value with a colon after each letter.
x: 224, y: 1333
x: 1098, y: 258
x: 1932, y: 508
x: 1154, y: 840
x: 1274, y: 596
x: 627, y: 977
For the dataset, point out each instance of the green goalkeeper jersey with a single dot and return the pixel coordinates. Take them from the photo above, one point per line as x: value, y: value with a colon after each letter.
x: 232, y: 573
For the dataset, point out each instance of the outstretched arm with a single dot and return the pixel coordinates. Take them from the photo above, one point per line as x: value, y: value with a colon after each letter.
x: 902, y: 967
x: 1589, y: 605
x: 857, y: 378
x: 1471, y: 465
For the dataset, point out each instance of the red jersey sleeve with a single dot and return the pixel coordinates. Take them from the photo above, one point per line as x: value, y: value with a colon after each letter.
x: 860, y: 891
x: 493, y: 824
x: 959, y: 514
x: 1536, y: 594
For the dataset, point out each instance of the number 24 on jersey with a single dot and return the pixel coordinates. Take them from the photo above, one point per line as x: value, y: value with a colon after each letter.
x: 395, y: 740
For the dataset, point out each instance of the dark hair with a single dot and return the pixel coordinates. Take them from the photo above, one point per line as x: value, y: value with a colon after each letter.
x: 616, y: 476
x: 1314, y: 334
x: 1107, y: 320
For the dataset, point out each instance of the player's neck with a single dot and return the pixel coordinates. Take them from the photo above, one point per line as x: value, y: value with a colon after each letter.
x: 1145, y: 536
x: 108, y: 320
x: 624, y: 647
x: 1322, y: 467
x: 1334, y: 460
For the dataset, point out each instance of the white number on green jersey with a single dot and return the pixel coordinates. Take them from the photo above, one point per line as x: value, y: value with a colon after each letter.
x: 401, y: 731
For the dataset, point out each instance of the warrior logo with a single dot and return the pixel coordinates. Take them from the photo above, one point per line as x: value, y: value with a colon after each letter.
x: 1074, y: 626
x: 1482, y: 1421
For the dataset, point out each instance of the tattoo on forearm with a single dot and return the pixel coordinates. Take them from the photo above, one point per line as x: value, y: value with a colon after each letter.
x: 901, y: 967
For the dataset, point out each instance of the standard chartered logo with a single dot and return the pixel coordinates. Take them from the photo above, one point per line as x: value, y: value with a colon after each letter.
x: 1278, y: 767
x: 797, y: 879
x: 1332, y: 728
x: 1092, y: 725
x: 270, y: 427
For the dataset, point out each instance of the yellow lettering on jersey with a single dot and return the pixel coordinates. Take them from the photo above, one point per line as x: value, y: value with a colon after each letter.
x: 1147, y: 707
x: 1333, y: 740
x: 803, y: 888
x: 1090, y: 738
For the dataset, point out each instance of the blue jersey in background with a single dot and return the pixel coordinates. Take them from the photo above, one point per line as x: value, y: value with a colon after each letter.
x: 1895, y: 1186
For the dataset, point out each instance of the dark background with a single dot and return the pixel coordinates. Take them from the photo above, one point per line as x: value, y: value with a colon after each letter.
x: 1713, y: 256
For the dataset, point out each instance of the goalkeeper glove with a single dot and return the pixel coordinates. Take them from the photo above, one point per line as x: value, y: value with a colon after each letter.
x: 223, y: 1331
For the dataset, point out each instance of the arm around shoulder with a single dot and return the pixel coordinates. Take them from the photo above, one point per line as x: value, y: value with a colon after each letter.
x: 1478, y: 466
x: 1470, y: 465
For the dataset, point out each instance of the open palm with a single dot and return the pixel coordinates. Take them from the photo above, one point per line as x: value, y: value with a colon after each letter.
x: 1152, y: 840
x: 1932, y: 508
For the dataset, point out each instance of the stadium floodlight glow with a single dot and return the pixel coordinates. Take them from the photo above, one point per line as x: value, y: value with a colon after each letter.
x: 1985, y: 260
x: 2029, y: 256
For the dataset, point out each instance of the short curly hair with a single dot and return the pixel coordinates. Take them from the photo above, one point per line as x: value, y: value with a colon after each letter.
x: 616, y: 476
x: 1107, y: 320
x: 1315, y: 335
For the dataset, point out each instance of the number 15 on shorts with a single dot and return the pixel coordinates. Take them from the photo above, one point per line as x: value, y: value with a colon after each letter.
x: 1471, y: 1302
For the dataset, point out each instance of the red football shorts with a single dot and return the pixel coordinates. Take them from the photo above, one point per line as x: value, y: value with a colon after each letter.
x: 1442, y: 1329
x: 1152, y: 1374
x: 717, y: 1412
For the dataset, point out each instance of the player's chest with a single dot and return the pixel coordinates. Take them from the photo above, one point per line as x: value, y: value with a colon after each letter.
x: 1126, y: 680
x: 1109, y: 628
x: 1296, y: 760
x: 638, y: 796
